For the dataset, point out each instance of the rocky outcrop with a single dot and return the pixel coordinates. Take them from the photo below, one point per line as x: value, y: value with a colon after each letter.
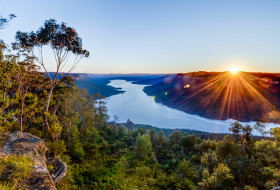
x: 59, y: 171
x: 27, y: 144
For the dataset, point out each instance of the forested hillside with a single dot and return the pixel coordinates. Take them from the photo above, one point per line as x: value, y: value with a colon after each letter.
x: 110, y: 156
x: 243, y: 96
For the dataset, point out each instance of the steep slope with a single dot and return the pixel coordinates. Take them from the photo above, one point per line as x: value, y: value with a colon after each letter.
x: 222, y: 95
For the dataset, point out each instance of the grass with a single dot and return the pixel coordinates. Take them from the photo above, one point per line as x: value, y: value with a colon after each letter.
x: 14, y: 169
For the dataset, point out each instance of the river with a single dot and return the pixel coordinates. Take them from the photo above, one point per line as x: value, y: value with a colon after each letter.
x: 134, y: 104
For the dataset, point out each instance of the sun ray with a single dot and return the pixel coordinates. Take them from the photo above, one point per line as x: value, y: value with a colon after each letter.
x: 229, y: 94
x: 256, y: 93
x: 206, y: 85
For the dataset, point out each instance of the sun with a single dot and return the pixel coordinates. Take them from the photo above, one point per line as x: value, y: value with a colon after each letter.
x: 234, y: 70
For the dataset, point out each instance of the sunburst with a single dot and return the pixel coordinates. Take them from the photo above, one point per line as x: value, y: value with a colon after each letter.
x: 231, y: 94
x: 234, y: 70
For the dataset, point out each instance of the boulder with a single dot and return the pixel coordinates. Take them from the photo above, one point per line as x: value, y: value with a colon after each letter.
x: 27, y: 144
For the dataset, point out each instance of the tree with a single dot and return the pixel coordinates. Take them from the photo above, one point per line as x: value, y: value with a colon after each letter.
x: 63, y: 40
x: 129, y: 124
x: 188, y: 141
x: 260, y: 127
x: 241, y: 133
x: 268, y: 153
x: 66, y: 98
x: 7, y: 71
x: 25, y: 76
x: 143, y: 147
x: 226, y: 147
x: 221, y: 178
x: 185, y: 168
x: 161, y: 137
x: 236, y: 129
x: 209, y: 160
x: 153, y: 137
x: 175, y: 137
x: 276, y: 133
x: 4, y: 21
x: 246, y: 133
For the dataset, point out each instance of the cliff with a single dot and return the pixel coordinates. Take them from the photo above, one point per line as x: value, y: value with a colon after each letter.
x: 27, y: 144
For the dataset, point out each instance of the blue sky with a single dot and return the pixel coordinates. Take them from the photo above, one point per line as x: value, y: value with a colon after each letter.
x: 149, y: 36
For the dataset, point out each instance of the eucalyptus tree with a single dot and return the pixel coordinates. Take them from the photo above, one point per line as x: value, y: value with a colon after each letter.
x: 7, y: 70
x: 25, y: 75
x: 4, y: 21
x: 64, y: 42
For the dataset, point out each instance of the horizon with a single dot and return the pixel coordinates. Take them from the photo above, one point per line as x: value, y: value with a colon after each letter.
x: 173, y: 73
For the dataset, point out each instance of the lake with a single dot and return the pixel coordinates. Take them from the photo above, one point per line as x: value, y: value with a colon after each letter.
x: 134, y: 104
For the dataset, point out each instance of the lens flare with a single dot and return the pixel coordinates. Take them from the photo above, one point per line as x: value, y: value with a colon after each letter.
x: 231, y: 94
x: 187, y: 86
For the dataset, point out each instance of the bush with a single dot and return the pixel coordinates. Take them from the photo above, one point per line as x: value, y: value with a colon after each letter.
x: 14, y: 169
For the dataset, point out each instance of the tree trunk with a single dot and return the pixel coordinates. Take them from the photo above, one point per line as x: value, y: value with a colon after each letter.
x: 21, y: 114
x: 68, y: 136
x: 47, y: 111
x: 49, y: 98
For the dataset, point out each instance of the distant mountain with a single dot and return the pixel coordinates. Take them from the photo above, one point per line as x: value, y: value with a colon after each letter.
x: 222, y: 95
x: 155, y: 80
x: 93, y: 88
x: 93, y: 83
x: 98, y: 83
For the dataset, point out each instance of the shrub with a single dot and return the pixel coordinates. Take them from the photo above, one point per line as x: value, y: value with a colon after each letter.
x: 14, y: 169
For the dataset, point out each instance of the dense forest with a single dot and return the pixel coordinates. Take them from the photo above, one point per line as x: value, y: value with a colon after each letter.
x: 102, y: 155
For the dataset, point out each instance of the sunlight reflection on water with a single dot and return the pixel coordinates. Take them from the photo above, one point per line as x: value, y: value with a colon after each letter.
x: 135, y: 105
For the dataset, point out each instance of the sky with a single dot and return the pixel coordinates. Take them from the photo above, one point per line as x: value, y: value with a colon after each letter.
x: 160, y: 36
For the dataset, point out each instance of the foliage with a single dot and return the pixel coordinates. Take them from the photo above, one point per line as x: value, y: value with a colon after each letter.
x: 143, y: 147
x: 221, y: 178
x: 63, y: 40
x: 4, y: 21
x: 15, y: 169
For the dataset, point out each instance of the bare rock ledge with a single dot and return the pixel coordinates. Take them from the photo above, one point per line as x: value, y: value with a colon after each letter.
x: 27, y: 144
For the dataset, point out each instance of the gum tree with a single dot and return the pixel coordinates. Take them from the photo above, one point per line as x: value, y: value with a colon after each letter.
x: 64, y: 42
x: 25, y: 75
x: 4, y: 21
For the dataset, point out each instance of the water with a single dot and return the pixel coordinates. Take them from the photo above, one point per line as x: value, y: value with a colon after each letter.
x: 135, y: 105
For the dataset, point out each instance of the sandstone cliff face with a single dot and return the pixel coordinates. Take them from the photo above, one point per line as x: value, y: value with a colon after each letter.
x: 27, y: 144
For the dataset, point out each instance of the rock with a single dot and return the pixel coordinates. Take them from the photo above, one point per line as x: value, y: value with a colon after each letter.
x: 59, y: 171
x: 27, y: 144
